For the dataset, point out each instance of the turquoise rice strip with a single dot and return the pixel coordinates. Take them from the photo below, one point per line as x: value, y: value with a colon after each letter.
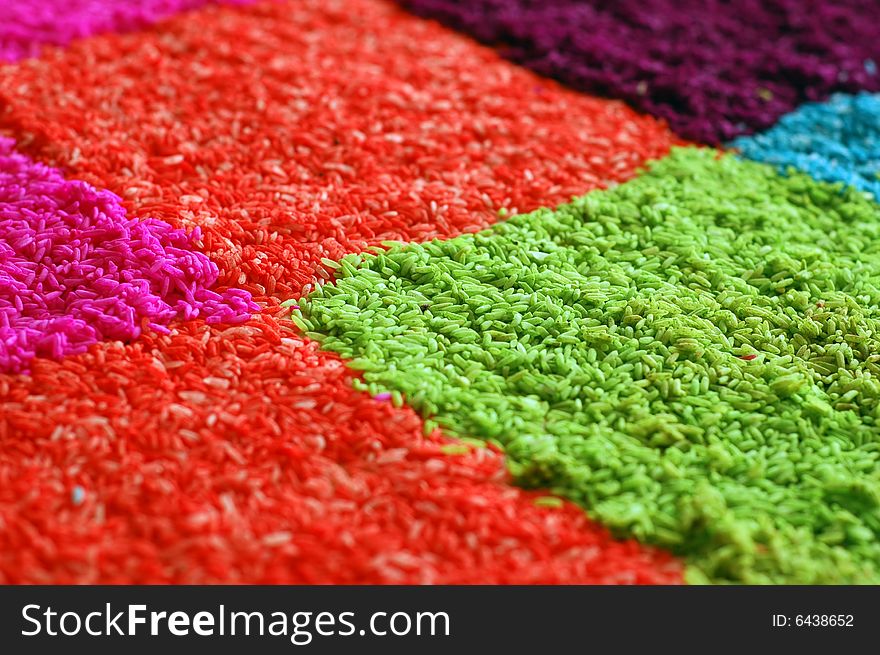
x: 835, y: 141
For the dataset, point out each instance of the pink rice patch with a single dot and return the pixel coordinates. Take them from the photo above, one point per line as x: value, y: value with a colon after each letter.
x: 74, y: 270
x: 27, y: 25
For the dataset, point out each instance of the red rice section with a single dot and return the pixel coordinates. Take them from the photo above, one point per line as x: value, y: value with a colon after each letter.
x: 312, y: 129
x: 289, y: 133
x: 244, y: 455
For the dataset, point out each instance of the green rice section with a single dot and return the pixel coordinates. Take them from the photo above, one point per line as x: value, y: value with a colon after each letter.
x: 691, y: 356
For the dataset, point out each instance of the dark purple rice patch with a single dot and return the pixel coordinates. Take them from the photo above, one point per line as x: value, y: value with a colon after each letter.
x: 713, y: 69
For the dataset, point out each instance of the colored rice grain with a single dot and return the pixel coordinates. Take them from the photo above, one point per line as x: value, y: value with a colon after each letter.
x: 242, y: 454
x: 28, y: 25
x: 836, y: 141
x: 301, y: 130
x: 692, y: 356
x: 290, y: 134
x: 74, y: 269
x: 713, y: 69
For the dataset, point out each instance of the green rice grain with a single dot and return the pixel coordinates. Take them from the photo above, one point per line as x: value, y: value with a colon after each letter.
x: 692, y: 356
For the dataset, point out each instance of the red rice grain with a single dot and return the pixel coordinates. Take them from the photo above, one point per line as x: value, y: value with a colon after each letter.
x: 289, y: 132
x: 298, y: 130
x: 128, y: 465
